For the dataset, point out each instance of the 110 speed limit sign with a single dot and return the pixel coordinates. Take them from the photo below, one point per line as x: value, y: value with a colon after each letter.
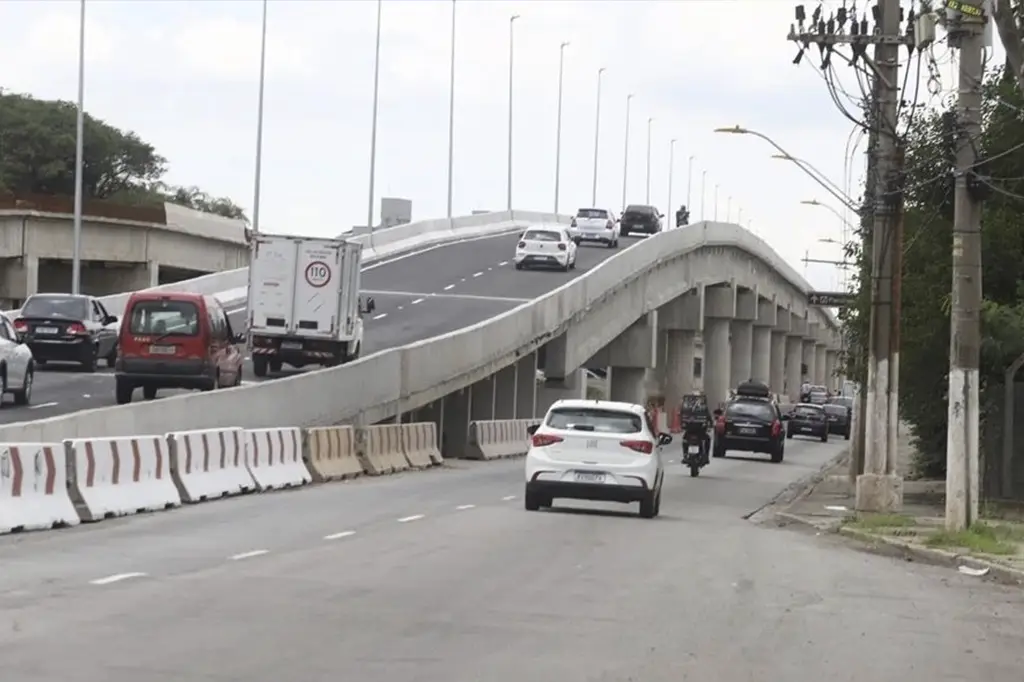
x: 318, y: 274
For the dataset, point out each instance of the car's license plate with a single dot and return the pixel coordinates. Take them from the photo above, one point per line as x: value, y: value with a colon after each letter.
x: 161, y: 350
x: 589, y: 477
x: 806, y: 428
x: 46, y: 330
x: 748, y: 431
x: 291, y: 345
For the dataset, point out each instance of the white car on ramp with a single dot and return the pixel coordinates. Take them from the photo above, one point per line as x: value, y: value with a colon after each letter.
x: 545, y: 246
x: 596, y: 450
x: 596, y: 225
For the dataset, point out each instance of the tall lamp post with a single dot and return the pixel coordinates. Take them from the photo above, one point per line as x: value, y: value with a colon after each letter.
x: 703, y: 192
x: 373, y: 127
x: 671, y: 167
x: 558, y: 131
x: 451, y: 116
x: 649, y: 122
x: 625, y: 154
x: 511, y: 54
x: 689, y: 180
x: 597, y: 136
x: 76, y: 261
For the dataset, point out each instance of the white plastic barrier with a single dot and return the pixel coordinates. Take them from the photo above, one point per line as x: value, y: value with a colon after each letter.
x: 209, y: 463
x: 119, y: 476
x: 274, y: 457
x: 33, y: 487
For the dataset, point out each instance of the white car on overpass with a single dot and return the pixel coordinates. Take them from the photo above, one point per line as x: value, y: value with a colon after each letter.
x: 596, y: 225
x: 16, y: 366
x: 548, y: 246
x: 596, y: 450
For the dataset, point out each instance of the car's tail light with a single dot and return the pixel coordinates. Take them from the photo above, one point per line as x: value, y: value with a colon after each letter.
x: 541, y: 439
x: 776, y: 428
x: 522, y: 245
x: 611, y: 224
x: 644, y: 446
x: 77, y: 328
x: 561, y: 247
x: 20, y: 326
x: 573, y: 223
x: 720, y: 425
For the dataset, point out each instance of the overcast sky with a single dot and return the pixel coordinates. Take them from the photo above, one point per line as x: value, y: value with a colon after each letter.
x: 183, y: 75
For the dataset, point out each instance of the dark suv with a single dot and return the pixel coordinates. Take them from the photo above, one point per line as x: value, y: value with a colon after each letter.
x: 751, y: 422
x: 639, y: 218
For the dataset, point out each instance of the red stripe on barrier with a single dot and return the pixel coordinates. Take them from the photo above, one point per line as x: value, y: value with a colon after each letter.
x: 136, y: 461
x: 51, y: 470
x: 90, y: 465
x: 158, y: 448
x: 16, y: 472
x: 280, y: 440
x: 206, y: 454
x: 239, y: 450
x: 188, y: 454
x: 115, y: 477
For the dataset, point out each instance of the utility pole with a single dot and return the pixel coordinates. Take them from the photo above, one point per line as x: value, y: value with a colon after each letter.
x: 962, y: 458
x: 878, y: 488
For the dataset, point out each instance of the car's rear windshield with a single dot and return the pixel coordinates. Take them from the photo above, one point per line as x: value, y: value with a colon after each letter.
x: 636, y: 208
x: 594, y: 419
x: 542, y: 236
x: 845, y: 402
x: 592, y: 213
x: 153, y: 318
x: 833, y: 408
x: 817, y: 396
x: 752, y: 409
x: 65, y: 307
x: 806, y: 411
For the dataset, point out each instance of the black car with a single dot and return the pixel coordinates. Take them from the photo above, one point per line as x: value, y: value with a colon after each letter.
x: 840, y: 415
x: 751, y: 422
x: 808, y: 420
x: 68, y: 328
x: 639, y: 218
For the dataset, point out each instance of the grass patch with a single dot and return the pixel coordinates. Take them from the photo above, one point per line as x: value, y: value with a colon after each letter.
x: 871, y: 522
x: 983, y: 538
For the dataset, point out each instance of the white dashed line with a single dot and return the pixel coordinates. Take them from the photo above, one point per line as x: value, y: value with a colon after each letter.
x: 401, y: 307
x: 116, y: 578
x: 449, y: 287
x: 477, y: 274
x: 463, y: 279
x: 42, y: 405
x: 338, y: 536
x: 380, y: 317
x: 249, y: 555
x: 465, y: 506
x: 407, y: 519
x: 502, y: 263
x: 508, y: 497
x: 418, y: 300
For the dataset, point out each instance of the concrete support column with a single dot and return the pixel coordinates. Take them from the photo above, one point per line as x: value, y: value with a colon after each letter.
x: 831, y: 359
x: 678, y: 376
x: 573, y: 386
x: 777, y: 363
x: 526, y: 387
x: 455, y: 423
x: 627, y: 385
x: 821, y: 375
x: 741, y: 352
x: 717, y: 360
x: 30, y: 268
x: 807, y: 357
x: 482, y: 400
x: 505, y: 393
x: 761, y: 355
x: 794, y: 357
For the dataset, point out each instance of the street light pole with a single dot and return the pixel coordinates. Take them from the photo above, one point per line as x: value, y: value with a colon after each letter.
x: 597, y: 136
x: 451, y: 117
x: 76, y: 261
x: 373, y: 127
x: 689, y: 180
x: 716, y: 202
x: 728, y: 209
x: 649, y: 122
x: 511, y: 54
x: 258, y: 173
x: 625, y: 154
x: 703, y: 192
x: 558, y: 133
x: 671, y: 167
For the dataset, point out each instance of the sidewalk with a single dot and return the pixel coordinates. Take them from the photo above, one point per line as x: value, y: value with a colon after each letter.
x: 993, y: 548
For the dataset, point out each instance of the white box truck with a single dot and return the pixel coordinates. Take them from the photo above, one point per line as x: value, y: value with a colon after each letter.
x: 304, y: 303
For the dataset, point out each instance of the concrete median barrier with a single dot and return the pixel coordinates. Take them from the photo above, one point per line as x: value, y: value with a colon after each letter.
x: 382, y: 449
x: 33, y: 488
x: 499, y: 438
x: 209, y: 464
x: 110, y: 477
x: 419, y: 443
x: 274, y: 457
x: 331, y: 454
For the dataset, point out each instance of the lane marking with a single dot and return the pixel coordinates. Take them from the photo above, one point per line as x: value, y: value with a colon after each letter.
x: 116, y: 578
x: 449, y: 287
x: 42, y: 405
x: 380, y: 317
x: 338, y: 536
x: 249, y: 555
x: 420, y: 296
x: 418, y: 300
x: 407, y: 519
x: 502, y: 263
x: 465, y: 506
x: 477, y: 274
x: 508, y: 497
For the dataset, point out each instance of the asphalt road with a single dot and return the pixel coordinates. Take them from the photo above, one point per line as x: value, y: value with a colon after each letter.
x: 418, y: 296
x: 441, y: 576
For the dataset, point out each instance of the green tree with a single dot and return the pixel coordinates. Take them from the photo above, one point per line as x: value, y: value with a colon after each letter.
x: 37, y: 156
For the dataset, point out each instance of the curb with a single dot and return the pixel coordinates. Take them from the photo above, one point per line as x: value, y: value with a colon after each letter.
x: 799, y: 488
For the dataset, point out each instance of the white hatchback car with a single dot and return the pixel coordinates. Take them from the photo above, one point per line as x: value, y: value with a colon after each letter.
x: 596, y: 450
x: 545, y: 246
x: 17, y: 370
x: 596, y: 225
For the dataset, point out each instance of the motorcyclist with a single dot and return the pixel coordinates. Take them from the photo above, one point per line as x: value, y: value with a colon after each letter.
x: 695, y: 419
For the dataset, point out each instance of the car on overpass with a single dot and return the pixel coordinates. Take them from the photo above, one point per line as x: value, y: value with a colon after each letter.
x: 596, y: 450
x: 549, y: 246
x: 17, y: 367
x: 68, y: 328
x: 640, y: 218
x: 596, y: 225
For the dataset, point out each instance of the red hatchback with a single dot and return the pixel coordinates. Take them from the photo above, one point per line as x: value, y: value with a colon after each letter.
x: 175, y: 340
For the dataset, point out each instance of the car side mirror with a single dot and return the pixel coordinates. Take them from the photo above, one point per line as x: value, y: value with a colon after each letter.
x: 371, y: 304
x: 532, y: 429
x: 577, y: 240
x: 521, y: 234
x: 111, y: 319
x: 664, y: 438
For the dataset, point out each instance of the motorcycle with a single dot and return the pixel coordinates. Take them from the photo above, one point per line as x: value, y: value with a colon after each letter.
x: 695, y: 451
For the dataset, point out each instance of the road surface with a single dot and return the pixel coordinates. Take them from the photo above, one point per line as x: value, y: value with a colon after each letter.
x: 442, y: 576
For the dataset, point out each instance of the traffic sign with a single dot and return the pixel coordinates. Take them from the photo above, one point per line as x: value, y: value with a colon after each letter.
x: 318, y: 274
x: 830, y: 299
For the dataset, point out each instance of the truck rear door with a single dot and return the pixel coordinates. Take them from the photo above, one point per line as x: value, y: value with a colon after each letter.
x: 271, y: 284
x: 348, y: 300
x: 318, y: 286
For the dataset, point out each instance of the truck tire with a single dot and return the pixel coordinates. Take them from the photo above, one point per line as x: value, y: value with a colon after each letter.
x: 275, y: 365
x: 259, y: 366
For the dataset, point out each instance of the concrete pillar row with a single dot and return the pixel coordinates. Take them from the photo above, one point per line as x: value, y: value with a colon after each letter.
x: 831, y: 370
x: 794, y: 359
x: 505, y: 384
x: 455, y: 418
x: 821, y: 374
x: 777, y: 362
x: 680, y: 347
x: 627, y: 384
x: 572, y: 387
x: 717, y: 360
x: 742, y: 342
x: 526, y: 386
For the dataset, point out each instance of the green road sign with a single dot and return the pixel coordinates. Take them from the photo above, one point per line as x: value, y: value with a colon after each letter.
x: 830, y: 299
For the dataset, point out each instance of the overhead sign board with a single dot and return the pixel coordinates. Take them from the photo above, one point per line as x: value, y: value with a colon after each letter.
x: 830, y: 299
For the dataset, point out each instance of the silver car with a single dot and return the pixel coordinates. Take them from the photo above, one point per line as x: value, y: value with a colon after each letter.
x: 16, y: 365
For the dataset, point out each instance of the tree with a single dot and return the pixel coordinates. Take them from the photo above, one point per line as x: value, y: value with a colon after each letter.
x: 37, y: 156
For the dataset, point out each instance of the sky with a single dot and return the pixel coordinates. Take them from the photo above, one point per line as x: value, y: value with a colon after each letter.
x: 184, y: 76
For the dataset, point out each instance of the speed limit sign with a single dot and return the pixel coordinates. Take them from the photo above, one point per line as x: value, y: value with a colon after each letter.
x: 318, y: 274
